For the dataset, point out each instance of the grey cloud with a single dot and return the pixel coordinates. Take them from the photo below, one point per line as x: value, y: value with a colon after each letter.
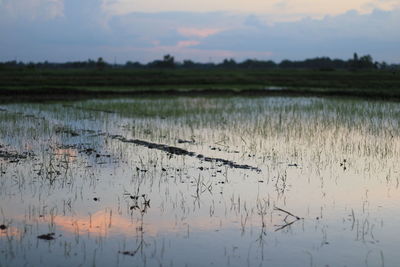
x: 338, y: 36
x: 85, y: 31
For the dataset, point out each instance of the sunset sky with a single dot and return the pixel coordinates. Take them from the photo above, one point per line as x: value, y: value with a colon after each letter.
x: 206, y: 30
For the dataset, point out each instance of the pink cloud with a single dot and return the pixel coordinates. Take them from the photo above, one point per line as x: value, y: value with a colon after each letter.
x: 187, y: 43
x: 196, y: 32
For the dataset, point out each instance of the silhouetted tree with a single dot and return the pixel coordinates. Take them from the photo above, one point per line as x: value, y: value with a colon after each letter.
x: 257, y: 64
x: 286, y: 64
x: 133, y: 65
x: 167, y: 62
x: 228, y: 63
x: 364, y: 62
x: 100, y: 64
x: 188, y: 64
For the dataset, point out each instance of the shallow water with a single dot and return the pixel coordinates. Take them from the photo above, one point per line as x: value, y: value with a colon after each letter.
x: 321, y: 187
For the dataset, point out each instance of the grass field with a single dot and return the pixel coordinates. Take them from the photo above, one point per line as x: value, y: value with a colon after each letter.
x: 31, y: 82
x: 145, y: 180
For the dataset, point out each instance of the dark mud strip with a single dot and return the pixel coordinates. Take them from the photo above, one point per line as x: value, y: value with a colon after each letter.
x: 182, y: 152
x: 9, y: 155
x: 12, y: 156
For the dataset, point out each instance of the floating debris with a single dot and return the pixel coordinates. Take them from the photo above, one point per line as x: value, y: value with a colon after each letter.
x: 343, y: 164
x: 88, y: 151
x: 128, y: 253
x: 103, y: 155
x: 181, y: 141
x: 49, y: 236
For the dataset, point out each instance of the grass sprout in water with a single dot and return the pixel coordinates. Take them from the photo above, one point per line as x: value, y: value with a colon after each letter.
x: 200, y: 181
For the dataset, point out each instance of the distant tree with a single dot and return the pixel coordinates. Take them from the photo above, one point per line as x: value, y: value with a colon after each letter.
x: 100, y: 64
x: 286, y: 64
x: 320, y: 63
x: 168, y: 61
x: 382, y: 65
x: 257, y: 64
x: 31, y: 66
x: 355, y: 57
x: 188, y: 64
x: 228, y: 63
x: 363, y: 62
x: 366, y: 62
x: 133, y: 65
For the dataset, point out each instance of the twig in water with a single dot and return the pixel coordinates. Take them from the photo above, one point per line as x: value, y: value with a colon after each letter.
x: 284, y: 226
x: 285, y: 211
x: 280, y: 227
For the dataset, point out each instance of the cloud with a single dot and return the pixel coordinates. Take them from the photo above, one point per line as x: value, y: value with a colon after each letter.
x: 254, y: 21
x: 188, y: 43
x: 198, y: 32
x: 85, y: 29
x: 31, y: 9
x: 277, y: 10
x: 334, y: 36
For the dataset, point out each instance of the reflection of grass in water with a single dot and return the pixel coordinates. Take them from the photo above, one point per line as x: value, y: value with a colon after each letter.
x: 150, y: 107
x: 285, y: 125
x: 262, y: 116
x: 184, y: 106
x: 312, y: 132
x: 317, y: 134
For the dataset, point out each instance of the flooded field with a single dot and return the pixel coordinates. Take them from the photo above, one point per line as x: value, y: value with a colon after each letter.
x: 214, y: 181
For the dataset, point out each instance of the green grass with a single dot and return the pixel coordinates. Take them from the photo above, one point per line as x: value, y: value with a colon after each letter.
x: 373, y: 82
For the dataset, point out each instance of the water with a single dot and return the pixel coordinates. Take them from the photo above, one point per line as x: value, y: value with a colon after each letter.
x: 321, y: 186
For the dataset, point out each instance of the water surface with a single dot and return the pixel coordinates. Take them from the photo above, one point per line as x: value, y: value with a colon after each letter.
x: 273, y: 181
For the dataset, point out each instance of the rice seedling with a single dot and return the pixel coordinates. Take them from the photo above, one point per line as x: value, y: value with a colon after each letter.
x: 198, y: 181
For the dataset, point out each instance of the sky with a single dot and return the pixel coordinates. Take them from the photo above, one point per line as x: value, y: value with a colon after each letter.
x: 200, y: 30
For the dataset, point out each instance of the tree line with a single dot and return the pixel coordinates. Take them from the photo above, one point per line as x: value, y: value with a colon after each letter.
x: 169, y: 62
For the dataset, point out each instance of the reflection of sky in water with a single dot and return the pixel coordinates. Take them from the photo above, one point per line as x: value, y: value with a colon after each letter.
x: 331, y: 162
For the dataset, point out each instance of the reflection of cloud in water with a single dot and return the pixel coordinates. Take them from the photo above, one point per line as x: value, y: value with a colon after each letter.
x: 68, y: 154
x: 10, y: 232
x: 101, y: 223
x: 106, y: 223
